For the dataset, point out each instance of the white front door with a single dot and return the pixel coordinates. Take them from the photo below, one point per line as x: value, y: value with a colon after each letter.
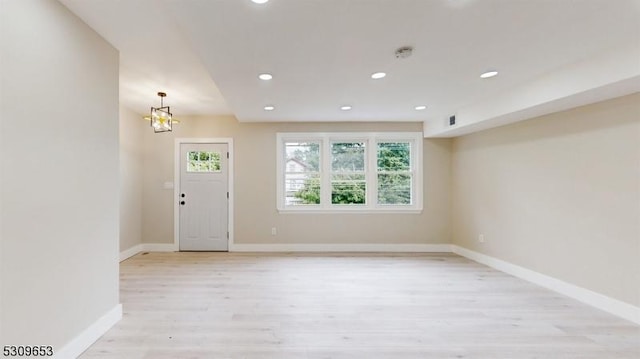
x: 203, y: 197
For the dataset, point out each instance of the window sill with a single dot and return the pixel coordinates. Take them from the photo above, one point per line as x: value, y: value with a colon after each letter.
x: 350, y: 211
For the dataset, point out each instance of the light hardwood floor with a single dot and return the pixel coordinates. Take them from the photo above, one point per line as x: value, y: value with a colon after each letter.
x: 337, y: 306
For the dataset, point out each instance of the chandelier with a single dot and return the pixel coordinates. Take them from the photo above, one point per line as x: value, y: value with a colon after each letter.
x: 161, y: 116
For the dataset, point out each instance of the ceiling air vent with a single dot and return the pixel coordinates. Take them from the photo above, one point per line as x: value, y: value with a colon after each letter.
x: 452, y: 120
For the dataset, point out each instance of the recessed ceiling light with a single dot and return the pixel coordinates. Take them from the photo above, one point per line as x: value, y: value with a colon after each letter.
x: 345, y: 108
x: 378, y: 75
x: 260, y: 1
x: 269, y: 108
x: 420, y: 108
x: 265, y: 77
x: 488, y: 74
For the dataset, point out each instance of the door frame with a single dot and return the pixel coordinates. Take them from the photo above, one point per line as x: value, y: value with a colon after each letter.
x: 176, y: 186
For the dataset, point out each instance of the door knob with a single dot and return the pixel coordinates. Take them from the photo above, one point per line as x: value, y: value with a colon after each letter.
x: 182, y: 203
x: 182, y: 195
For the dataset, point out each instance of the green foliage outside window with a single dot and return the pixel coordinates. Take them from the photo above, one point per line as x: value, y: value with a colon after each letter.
x: 348, y: 183
x: 305, y: 157
x: 305, y: 153
x: 394, y: 180
x: 310, y: 192
x: 202, y: 161
x: 394, y: 188
x: 394, y: 156
x: 348, y: 189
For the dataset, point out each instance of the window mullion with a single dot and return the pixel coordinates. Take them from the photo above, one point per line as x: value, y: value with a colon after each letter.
x: 412, y: 171
x: 325, y: 160
x: 372, y: 170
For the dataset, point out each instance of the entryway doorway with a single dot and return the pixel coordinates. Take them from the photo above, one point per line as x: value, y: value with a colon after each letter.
x: 203, y: 195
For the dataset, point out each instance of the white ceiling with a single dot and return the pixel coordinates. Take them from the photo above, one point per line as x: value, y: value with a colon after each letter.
x: 322, y: 52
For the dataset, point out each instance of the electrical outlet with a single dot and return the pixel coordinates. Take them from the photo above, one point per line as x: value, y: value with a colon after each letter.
x: 481, y: 238
x: 274, y: 231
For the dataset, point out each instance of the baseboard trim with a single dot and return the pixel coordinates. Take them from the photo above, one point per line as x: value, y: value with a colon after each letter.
x: 84, y: 340
x: 597, y: 300
x: 299, y: 247
x: 128, y: 253
x: 159, y: 247
x: 147, y: 247
x: 341, y: 247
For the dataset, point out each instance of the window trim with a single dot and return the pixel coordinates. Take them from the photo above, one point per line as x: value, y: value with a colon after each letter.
x: 371, y: 139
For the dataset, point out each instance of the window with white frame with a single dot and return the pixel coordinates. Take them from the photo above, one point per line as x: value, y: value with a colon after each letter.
x: 345, y: 172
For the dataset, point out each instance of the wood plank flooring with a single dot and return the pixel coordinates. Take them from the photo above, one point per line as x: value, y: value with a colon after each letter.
x: 338, y: 306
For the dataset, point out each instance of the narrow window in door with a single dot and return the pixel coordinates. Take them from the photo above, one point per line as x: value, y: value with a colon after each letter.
x: 203, y: 161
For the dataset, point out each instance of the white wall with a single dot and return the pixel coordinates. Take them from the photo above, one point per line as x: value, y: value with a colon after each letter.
x: 255, y: 189
x: 559, y: 195
x: 131, y: 127
x: 2, y: 106
x: 59, y: 185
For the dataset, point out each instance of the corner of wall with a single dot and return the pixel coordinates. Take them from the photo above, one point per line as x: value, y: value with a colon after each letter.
x: 131, y: 167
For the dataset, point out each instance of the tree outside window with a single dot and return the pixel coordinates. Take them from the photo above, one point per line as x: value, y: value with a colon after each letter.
x: 394, y: 172
x: 331, y: 172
